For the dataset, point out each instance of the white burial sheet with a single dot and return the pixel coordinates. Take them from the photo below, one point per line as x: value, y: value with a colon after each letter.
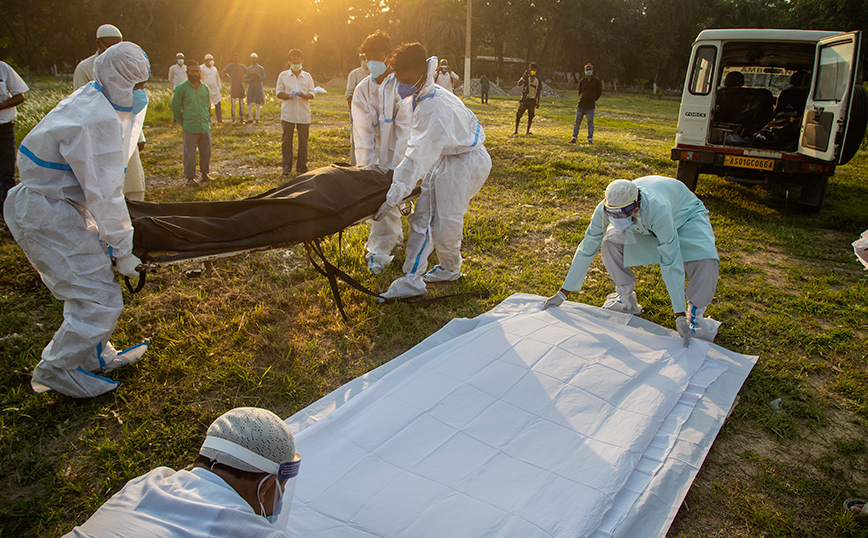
x: 570, y: 422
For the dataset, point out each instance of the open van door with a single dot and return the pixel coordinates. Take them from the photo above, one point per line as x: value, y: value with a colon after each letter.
x: 827, y: 109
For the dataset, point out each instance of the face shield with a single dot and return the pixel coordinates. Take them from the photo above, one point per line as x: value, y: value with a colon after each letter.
x: 284, y: 486
x: 116, y: 73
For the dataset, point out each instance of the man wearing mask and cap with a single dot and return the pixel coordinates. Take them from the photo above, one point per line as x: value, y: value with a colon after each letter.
x: 652, y: 220
x: 255, y: 95
x: 446, y: 77
x: 178, y: 71
x: 211, y: 78
x: 241, y: 484
x: 295, y: 88
x: 590, y: 89
x: 69, y: 217
x: 380, y: 131
x: 134, y: 178
x: 356, y: 75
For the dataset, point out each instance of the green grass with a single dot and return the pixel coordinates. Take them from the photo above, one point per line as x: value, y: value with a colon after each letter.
x: 262, y: 329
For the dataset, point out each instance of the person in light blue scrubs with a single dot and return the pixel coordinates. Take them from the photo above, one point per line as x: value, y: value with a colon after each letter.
x: 653, y: 220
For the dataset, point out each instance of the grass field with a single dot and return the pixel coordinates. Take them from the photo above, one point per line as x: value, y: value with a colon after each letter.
x: 262, y: 330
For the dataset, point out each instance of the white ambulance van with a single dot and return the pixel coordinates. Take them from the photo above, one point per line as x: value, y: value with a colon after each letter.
x: 763, y: 106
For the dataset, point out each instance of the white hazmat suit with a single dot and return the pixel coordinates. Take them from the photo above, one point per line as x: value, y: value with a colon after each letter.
x: 69, y: 216
x: 381, y: 127
x: 446, y: 150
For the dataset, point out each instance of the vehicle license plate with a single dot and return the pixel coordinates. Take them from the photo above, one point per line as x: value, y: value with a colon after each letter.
x: 748, y: 162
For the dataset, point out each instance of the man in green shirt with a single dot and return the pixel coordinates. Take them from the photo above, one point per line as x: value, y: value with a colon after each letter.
x: 191, y: 106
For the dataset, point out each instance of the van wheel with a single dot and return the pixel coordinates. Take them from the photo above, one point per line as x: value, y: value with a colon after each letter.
x: 811, y: 197
x: 688, y: 173
x: 856, y: 124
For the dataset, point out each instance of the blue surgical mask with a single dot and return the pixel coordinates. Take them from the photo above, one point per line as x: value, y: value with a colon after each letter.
x: 376, y: 68
x: 140, y: 100
x: 406, y: 90
x: 621, y: 224
x: 589, y: 72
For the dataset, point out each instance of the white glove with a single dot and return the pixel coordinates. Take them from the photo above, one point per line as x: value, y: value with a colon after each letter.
x: 683, y: 326
x: 383, y: 211
x: 127, y: 265
x: 555, y: 300
x: 374, y: 168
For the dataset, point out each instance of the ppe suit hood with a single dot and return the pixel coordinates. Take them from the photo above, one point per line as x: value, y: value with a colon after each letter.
x: 118, y: 69
x: 431, y: 71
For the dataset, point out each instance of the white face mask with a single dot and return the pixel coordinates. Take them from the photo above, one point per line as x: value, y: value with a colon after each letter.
x: 210, y: 63
x: 295, y: 67
x: 622, y: 224
x: 180, y: 61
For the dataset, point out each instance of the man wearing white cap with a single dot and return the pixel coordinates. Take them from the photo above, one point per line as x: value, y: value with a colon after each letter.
x: 652, y: 220
x: 106, y: 36
x: 134, y: 178
x: 240, y: 485
x: 211, y: 78
x: 178, y: 71
x: 255, y: 94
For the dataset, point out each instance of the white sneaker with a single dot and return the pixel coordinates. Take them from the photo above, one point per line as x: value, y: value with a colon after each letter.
x: 615, y: 303
x: 438, y: 274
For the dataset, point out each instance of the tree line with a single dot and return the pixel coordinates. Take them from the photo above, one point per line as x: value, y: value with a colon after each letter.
x: 629, y: 41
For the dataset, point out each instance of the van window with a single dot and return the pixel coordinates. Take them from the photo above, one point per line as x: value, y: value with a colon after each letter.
x: 702, y: 73
x: 833, y: 75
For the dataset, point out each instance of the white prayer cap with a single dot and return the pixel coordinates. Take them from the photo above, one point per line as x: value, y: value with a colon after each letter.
x: 108, y: 30
x: 258, y: 433
x: 621, y: 193
x: 209, y: 57
x: 254, y: 55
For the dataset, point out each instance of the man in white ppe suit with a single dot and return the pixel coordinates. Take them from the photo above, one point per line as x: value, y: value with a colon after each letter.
x: 445, y: 149
x: 380, y: 131
x: 240, y: 485
x: 70, y: 218
x: 134, y: 178
x: 652, y: 220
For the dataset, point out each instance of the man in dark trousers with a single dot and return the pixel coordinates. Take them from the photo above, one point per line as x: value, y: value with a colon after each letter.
x: 484, y: 86
x: 531, y: 89
x: 590, y: 89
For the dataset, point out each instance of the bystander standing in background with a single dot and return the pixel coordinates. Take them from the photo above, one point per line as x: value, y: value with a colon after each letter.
x: 211, y: 78
x: 236, y: 73
x: 12, y: 88
x: 178, y: 71
x: 295, y: 88
x: 531, y: 89
x: 446, y: 77
x: 191, y: 108
x: 484, y: 86
x: 255, y: 95
x: 590, y: 89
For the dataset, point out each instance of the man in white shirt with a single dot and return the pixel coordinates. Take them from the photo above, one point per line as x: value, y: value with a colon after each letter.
x: 295, y: 88
x: 446, y: 77
x: 178, y: 71
x: 134, y: 178
x: 241, y: 484
x: 12, y: 88
x: 356, y: 75
x: 211, y: 78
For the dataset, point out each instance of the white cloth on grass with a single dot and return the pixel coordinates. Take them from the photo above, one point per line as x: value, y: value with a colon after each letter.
x: 449, y: 442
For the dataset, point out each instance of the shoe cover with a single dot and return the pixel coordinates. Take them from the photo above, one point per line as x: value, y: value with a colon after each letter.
x: 705, y: 328
x: 377, y: 262
x: 616, y: 304
x: 131, y: 355
x: 77, y: 383
x: 438, y: 274
x: 406, y: 286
